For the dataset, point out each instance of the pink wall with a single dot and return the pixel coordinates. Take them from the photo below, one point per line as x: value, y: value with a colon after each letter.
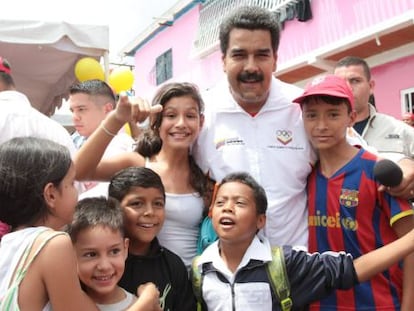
x: 179, y: 37
x: 204, y: 72
x: 332, y: 20
x: 390, y: 79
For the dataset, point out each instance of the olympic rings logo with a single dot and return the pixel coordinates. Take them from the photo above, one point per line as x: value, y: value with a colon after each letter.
x: 283, y: 133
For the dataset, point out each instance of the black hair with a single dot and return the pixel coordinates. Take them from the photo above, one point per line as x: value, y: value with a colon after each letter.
x: 27, y: 165
x: 355, y: 61
x: 92, y: 212
x: 259, y: 193
x: 122, y: 182
x: 95, y: 88
x: 251, y: 18
x: 332, y: 100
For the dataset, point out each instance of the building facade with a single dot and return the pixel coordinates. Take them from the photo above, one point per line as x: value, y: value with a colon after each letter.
x: 315, y: 34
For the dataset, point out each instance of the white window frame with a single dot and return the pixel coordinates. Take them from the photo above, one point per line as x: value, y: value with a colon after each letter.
x: 213, y: 12
x: 407, y: 100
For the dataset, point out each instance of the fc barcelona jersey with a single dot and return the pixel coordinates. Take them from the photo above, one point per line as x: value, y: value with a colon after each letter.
x: 346, y: 212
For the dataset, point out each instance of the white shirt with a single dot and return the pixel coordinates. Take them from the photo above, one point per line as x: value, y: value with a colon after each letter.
x: 392, y: 138
x: 246, y: 296
x: 272, y: 146
x: 18, y: 118
x: 120, y: 305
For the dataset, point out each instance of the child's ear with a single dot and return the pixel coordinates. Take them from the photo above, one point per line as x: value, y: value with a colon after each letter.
x: 261, y: 221
x: 352, y: 118
x: 50, y: 195
x: 201, y: 120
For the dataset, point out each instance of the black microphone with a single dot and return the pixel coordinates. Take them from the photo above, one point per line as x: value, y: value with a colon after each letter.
x: 388, y: 173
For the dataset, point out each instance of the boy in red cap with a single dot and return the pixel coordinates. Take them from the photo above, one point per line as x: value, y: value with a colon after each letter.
x: 346, y: 210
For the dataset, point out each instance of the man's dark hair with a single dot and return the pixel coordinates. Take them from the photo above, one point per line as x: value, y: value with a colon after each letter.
x: 96, y: 88
x: 355, y: 61
x: 251, y: 18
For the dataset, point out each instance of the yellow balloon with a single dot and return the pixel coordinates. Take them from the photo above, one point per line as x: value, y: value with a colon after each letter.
x: 121, y: 79
x: 88, y: 68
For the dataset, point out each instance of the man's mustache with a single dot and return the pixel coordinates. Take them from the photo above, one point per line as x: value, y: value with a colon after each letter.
x: 250, y: 77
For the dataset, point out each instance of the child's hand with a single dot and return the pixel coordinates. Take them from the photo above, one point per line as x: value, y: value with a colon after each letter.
x: 149, y: 296
x: 134, y: 109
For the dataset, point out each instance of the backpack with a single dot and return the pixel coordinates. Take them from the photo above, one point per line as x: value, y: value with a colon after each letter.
x: 207, y: 235
x: 276, y: 270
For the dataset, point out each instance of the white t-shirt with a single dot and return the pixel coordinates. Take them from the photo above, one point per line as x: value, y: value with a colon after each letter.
x: 179, y: 233
x: 120, y: 305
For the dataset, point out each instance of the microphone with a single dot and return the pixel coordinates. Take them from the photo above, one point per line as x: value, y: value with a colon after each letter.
x: 388, y: 173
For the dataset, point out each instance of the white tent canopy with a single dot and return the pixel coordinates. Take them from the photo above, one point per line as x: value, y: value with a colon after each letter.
x: 43, y: 55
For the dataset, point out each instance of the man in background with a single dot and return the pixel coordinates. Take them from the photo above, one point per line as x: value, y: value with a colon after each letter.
x: 90, y: 101
x: 408, y: 118
x: 18, y: 118
x: 389, y: 136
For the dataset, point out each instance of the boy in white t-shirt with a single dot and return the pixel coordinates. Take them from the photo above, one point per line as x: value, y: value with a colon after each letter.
x: 101, y: 248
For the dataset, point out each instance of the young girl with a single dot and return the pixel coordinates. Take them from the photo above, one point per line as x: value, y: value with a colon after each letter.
x: 165, y: 148
x: 37, y: 264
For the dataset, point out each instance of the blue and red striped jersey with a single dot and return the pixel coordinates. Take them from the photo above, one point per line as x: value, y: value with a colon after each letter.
x: 347, y: 212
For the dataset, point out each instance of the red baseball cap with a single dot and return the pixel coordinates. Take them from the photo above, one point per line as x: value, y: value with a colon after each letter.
x: 3, y: 67
x: 329, y: 85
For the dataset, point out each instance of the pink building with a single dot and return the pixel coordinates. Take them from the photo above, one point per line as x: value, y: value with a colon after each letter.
x: 183, y: 46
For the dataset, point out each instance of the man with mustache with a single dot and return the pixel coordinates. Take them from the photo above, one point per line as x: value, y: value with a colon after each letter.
x: 251, y: 124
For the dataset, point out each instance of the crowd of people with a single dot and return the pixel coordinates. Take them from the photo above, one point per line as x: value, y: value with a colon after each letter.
x: 271, y: 165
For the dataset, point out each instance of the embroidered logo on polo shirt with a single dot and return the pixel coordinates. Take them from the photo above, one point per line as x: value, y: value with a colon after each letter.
x: 284, y: 136
x: 393, y: 136
x: 349, y: 198
x: 229, y: 142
